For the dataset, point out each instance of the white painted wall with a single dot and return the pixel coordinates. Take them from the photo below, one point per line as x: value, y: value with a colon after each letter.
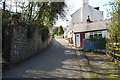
x: 82, y: 13
x: 77, y: 16
x: 77, y: 40
x: 104, y: 33
x: 73, y: 38
x: 101, y: 25
x: 93, y: 13
x: 68, y: 29
x: 87, y: 35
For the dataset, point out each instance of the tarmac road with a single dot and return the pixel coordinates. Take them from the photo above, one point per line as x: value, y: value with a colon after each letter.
x: 54, y: 62
x: 61, y: 60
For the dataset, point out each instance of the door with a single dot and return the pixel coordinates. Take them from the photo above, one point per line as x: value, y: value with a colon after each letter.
x: 82, y: 37
x: 77, y: 40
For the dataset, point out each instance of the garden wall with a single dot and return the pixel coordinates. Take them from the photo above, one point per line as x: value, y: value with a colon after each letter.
x: 17, y: 44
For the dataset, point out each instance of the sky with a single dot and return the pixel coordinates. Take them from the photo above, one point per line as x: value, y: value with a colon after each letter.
x: 73, y: 5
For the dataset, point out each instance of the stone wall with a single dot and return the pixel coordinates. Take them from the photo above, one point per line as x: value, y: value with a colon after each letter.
x: 21, y: 46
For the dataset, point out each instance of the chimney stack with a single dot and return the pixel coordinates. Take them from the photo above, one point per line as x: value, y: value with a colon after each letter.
x: 86, y: 2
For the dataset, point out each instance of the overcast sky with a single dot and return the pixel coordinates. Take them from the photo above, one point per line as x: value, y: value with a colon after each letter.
x: 76, y: 4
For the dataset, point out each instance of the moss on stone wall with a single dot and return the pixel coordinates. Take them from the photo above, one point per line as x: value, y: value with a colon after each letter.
x: 25, y: 39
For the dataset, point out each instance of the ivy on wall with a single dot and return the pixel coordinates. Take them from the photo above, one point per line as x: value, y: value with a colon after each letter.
x: 6, y: 38
x: 31, y: 28
x: 45, y: 33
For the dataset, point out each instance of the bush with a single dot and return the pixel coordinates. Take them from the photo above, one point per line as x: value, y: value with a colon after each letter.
x: 90, y: 50
x: 114, y: 41
x: 42, y: 30
x: 45, y: 33
x: 6, y: 14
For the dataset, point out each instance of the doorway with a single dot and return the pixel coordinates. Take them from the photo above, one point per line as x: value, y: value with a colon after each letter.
x: 82, y: 37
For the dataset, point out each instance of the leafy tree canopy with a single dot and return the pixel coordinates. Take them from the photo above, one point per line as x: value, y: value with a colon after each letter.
x: 114, y: 30
x: 45, y: 12
x: 60, y: 30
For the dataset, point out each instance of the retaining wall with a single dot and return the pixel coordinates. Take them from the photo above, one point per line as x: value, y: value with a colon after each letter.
x: 20, y: 46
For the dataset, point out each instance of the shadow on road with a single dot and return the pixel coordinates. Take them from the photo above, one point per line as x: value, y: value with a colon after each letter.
x: 60, y: 60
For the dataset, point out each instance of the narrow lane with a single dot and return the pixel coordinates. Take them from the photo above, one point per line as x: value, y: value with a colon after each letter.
x: 57, y: 61
x: 62, y: 60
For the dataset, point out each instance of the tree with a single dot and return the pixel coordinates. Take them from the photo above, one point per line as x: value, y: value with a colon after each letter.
x: 60, y: 30
x: 49, y: 11
x: 30, y: 10
x: 55, y: 30
x: 114, y: 30
x: 45, y: 12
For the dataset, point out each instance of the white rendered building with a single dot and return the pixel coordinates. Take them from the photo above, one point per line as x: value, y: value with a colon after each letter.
x: 87, y: 21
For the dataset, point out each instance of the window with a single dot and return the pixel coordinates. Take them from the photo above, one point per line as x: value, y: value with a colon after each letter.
x: 100, y: 34
x: 95, y: 34
x: 91, y: 36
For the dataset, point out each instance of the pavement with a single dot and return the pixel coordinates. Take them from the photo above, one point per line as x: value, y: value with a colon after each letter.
x: 64, y: 61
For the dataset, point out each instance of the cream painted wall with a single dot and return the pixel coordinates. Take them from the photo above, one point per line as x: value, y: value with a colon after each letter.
x: 74, y: 42
x: 69, y: 34
x: 67, y: 29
